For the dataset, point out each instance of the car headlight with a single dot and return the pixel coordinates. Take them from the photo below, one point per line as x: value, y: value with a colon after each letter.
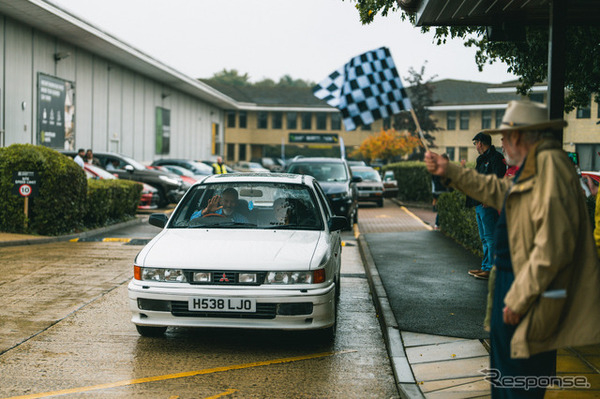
x: 169, y: 180
x: 311, y: 277
x: 159, y: 274
x: 342, y: 195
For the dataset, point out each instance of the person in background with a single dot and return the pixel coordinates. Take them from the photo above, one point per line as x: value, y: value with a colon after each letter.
x: 489, y: 162
x: 112, y: 165
x: 545, y: 294
x: 79, y: 157
x: 219, y: 167
x: 89, y: 158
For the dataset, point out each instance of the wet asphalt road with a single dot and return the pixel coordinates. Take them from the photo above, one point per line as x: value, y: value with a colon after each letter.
x: 66, y: 330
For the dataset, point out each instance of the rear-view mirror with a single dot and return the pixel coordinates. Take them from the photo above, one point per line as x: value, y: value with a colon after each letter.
x: 158, y: 220
x: 337, y: 223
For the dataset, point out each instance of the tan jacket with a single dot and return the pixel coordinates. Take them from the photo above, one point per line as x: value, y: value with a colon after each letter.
x: 551, y: 246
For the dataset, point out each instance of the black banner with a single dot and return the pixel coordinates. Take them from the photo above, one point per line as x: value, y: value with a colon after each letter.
x: 56, y: 112
x: 313, y: 138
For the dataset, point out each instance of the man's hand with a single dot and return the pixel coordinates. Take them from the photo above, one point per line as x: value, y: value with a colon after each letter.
x: 435, y: 164
x: 510, y: 317
x: 214, y: 204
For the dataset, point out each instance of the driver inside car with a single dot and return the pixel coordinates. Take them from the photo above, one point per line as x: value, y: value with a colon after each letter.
x: 223, y: 205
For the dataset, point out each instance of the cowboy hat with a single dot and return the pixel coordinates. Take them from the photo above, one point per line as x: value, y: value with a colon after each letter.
x: 526, y: 115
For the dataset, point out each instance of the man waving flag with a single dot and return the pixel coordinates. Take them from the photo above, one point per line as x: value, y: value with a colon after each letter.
x: 365, y: 89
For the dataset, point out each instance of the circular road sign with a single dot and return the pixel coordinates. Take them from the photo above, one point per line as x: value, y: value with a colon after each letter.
x: 25, y: 190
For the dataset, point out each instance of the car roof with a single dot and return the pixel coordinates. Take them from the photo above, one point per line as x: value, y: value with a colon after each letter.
x: 318, y: 160
x: 361, y: 167
x: 257, y: 178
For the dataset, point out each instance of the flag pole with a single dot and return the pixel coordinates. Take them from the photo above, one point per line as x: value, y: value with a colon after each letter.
x: 421, y: 135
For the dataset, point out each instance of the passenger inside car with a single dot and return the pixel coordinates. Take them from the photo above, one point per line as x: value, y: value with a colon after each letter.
x: 224, y: 205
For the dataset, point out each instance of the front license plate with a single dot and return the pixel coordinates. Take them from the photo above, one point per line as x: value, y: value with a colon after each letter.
x: 364, y: 194
x: 211, y: 304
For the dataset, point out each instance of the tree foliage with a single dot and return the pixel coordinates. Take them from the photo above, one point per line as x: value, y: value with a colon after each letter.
x: 234, y: 78
x: 386, y: 145
x: 527, y: 59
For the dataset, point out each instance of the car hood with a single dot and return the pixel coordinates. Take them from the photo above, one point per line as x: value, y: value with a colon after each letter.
x: 226, y: 249
x: 369, y: 183
x: 334, y: 187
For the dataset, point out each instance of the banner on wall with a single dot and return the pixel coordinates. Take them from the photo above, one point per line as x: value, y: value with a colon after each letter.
x: 163, y: 131
x: 56, y: 112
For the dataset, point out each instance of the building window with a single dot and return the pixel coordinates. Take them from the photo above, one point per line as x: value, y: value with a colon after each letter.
x: 464, y: 120
x: 306, y: 121
x: 450, y: 153
x: 242, y: 152
x: 463, y: 153
x: 451, y: 120
x: 486, y: 119
x: 499, y: 116
x: 242, y: 119
x: 537, y: 97
x: 276, y: 120
x: 261, y: 119
x: 230, y: 152
x: 584, y: 112
x: 336, y: 121
x: 387, y: 123
x: 292, y: 120
x: 365, y: 127
x: 230, y: 118
x: 321, y: 121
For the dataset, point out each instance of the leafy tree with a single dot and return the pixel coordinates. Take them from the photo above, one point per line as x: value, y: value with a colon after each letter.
x: 386, y: 145
x: 527, y: 59
x: 288, y: 81
x: 421, y: 96
x: 231, y: 77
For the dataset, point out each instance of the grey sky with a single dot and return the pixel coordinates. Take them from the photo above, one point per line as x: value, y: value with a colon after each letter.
x: 306, y: 39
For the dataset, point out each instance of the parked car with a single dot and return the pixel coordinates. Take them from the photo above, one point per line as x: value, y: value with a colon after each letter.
x: 197, y: 168
x: 370, y: 189
x: 249, y: 167
x: 283, y: 273
x: 229, y: 169
x: 149, y: 197
x: 273, y: 164
x: 356, y: 163
x: 335, y: 177
x: 390, y: 184
x: 186, y: 175
x: 170, y: 187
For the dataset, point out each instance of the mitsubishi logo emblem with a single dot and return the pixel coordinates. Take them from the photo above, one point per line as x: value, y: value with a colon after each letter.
x: 224, y: 279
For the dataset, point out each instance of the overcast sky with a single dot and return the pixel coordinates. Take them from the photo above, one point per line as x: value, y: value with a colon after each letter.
x: 307, y: 39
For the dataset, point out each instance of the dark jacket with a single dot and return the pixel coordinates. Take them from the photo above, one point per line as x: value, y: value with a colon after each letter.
x: 490, y: 162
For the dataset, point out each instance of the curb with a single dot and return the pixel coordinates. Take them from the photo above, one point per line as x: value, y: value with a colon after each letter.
x: 84, y: 234
x: 405, y: 380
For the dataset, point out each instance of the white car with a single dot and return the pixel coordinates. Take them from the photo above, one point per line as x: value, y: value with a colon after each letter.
x: 271, y: 260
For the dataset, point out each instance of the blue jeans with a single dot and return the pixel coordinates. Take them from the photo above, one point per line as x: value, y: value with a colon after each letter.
x: 486, y: 222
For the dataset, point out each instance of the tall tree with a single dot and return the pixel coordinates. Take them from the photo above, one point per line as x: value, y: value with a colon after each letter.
x: 527, y: 59
x: 386, y: 145
x: 231, y: 77
x: 421, y: 96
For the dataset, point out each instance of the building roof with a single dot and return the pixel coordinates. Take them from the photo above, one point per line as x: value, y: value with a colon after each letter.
x: 460, y: 92
x: 56, y: 22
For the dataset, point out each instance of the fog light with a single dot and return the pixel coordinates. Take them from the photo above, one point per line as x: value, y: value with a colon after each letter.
x: 292, y: 309
x: 247, y: 278
x: 154, y: 304
x: 202, y: 277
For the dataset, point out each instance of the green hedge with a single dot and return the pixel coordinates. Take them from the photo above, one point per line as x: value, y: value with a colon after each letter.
x: 458, y: 221
x: 60, y: 204
x: 66, y: 202
x: 414, y: 182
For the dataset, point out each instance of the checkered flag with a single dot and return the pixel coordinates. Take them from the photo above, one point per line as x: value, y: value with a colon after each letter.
x: 365, y: 89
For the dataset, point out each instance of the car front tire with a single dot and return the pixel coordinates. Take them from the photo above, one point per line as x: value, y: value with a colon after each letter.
x: 148, y: 331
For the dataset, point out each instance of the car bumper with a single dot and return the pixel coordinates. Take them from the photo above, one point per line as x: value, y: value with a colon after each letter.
x: 287, y: 309
x: 369, y: 196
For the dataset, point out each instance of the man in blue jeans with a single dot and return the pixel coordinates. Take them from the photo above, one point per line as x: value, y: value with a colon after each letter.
x: 489, y: 161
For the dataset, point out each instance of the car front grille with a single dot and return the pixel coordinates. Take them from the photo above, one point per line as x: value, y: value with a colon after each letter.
x: 369, y: 188
x: 263, y: 311
x: 220, y: 277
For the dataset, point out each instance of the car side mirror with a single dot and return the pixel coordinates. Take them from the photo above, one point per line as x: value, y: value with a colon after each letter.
x: 158, y: 220
x: 129, y: 168
x: 337, y: 223
x: 356, y: 179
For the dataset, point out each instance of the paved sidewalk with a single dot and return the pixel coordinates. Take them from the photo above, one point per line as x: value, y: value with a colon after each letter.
x: 438, y: 366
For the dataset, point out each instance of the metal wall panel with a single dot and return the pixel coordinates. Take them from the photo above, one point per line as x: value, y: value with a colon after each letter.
x: 139, y: 117
x: 100, y: 105
x: 115, y: 94
x: 84, y: 101
x: 127, y: 117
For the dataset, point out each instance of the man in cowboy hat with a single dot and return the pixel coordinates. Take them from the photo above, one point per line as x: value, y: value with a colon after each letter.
x: 546, y: 288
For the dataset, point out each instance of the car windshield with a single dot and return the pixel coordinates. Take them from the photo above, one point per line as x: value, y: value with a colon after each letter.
x: 133, y: 162
x: 367, y: 174
x: 201, y: 168
x: 257, y: 206
x: 323, y: 172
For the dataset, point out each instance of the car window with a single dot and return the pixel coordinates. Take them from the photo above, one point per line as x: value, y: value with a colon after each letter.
x: 323, y: 200
x: 258, y: 206
x: 366, y: 174
x: 323, y: 172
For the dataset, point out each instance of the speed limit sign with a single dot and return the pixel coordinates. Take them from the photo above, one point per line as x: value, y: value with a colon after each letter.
x: 25, y: 190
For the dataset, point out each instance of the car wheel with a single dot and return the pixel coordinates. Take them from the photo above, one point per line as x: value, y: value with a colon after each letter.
x: 328, y: 334
x: 147, y: 331
x: 355, y: 217
x: 162, y: 198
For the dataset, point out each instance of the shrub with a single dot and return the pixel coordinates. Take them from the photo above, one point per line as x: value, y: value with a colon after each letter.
x: 458, y: 221
x: 414, y: 182
x: 60, y: 204
x: 111, y: 201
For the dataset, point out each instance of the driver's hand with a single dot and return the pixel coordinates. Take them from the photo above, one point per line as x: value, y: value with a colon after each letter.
x: 214, y: 204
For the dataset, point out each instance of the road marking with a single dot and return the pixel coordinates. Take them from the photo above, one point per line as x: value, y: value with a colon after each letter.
x: 179, y: 375
x: 116, y: 239
x: 220, y: 395
x: 428, y: 227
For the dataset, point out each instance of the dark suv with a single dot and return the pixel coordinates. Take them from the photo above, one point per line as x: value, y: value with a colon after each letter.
x: 335, y: 177
x: 170, y: 187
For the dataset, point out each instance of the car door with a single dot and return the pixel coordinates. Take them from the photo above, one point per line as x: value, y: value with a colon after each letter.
x: 335, y: 236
